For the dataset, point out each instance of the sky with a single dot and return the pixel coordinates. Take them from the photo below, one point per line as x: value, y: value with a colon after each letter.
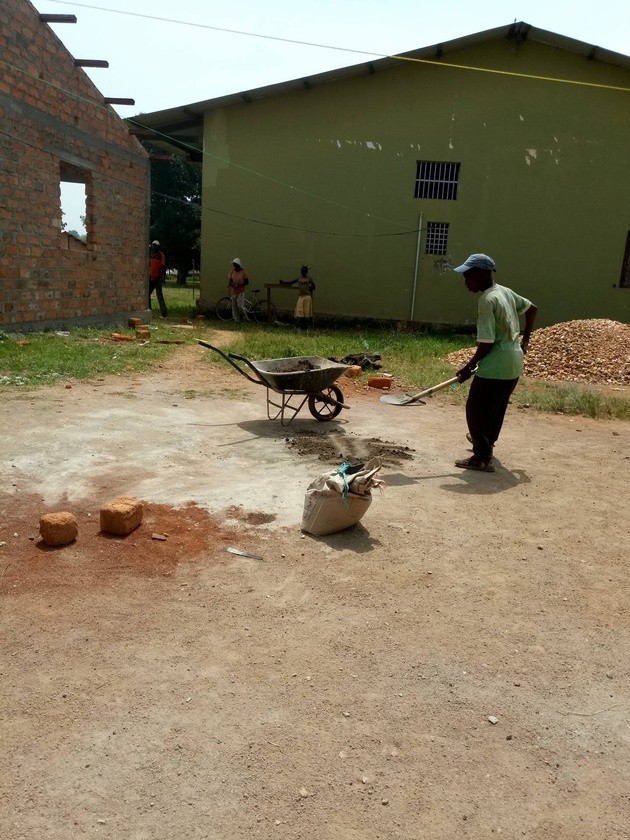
x: 165, y: 54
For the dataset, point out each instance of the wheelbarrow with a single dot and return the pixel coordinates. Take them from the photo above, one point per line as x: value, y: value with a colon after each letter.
x: 297, y: 381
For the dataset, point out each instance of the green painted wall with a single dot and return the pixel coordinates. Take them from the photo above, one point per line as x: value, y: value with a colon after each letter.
x: 544, y: 186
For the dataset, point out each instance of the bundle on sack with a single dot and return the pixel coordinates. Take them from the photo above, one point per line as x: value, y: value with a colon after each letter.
x: 338, y: 499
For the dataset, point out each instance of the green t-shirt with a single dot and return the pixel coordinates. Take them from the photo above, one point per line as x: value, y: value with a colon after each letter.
x: 498, y: 324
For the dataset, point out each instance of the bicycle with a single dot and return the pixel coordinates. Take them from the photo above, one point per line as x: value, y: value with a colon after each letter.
x: 257, y: 310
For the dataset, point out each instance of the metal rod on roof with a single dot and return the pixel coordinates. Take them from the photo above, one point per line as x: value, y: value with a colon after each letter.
x: 58, y: 18
x: 117, y: 100
x: 90, y: 62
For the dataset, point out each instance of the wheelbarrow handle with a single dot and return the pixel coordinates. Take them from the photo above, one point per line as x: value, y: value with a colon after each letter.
x: 230, y: 359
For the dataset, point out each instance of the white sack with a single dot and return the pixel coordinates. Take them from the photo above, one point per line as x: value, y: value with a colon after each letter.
x: 327, y: 508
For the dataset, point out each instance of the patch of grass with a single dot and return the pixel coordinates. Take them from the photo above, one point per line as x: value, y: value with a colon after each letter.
x: 417, y: 360
x: 561, y: 398
x: 180, y: 301
x: 80, y: 354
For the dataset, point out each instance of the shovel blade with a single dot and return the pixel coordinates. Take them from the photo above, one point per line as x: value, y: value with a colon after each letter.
x: 401, y: 400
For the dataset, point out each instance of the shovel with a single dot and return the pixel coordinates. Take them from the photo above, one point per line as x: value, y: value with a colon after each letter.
x: 410, y: 400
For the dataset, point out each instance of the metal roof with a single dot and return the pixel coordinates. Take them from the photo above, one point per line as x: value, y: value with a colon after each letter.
x: 184, y: 124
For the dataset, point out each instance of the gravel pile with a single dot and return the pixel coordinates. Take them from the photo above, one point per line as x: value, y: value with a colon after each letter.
x: 596, y: 351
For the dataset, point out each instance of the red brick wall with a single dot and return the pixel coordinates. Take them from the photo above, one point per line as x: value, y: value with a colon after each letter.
x: 52, y: 116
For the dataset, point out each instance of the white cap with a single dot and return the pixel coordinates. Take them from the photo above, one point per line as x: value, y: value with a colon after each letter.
x: 237, y: 261
x: 477, y: 261
x: 155, y: 242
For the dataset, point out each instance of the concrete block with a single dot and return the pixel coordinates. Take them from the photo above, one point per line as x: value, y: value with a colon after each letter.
x: 58, y: 528
x: 121, y: 516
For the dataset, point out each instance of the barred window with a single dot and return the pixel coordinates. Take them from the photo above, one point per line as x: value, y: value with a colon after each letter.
x: 437, y: 238
x: 437, y: 180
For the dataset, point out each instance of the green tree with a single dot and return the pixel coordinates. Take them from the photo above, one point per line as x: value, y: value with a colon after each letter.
x: 175, y: 209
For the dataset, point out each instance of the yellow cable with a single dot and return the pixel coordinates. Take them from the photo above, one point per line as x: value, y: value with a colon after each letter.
x: 440, y: 63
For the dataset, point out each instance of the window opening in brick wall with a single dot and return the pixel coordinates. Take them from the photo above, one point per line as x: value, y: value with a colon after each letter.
x: 624, y: 281
x: 437, y: 238
x: 437, y: 180
x: 73, y: 186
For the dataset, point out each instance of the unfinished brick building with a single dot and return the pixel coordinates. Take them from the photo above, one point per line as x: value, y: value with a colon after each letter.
x: 55, y: 126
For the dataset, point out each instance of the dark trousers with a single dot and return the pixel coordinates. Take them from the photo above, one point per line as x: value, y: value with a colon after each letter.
x: 156, y: 283
x: 485, y: 410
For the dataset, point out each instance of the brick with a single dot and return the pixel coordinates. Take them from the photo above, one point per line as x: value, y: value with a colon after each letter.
x: 58, y: 529
x: 121, y: 516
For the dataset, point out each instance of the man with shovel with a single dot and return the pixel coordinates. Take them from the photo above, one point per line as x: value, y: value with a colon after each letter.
x: 498, y: 360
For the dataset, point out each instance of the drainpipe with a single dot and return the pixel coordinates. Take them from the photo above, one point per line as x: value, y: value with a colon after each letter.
x: 415, y: 271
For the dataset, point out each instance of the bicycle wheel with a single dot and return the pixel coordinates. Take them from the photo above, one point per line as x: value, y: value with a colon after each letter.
x: 223, y: 309
x: 323, y: 410
x: 271, y: 312
x: 262, y: 313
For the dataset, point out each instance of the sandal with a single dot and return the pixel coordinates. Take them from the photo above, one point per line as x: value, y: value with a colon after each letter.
x: 475, y: 464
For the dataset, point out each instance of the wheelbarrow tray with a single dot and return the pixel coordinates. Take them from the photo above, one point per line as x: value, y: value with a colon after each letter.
x: 277, y: 373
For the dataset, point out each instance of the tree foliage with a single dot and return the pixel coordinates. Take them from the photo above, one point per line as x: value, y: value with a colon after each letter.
x: 176, y: 210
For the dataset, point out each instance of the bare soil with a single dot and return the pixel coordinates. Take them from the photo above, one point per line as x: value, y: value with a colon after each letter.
x: 454, y: 666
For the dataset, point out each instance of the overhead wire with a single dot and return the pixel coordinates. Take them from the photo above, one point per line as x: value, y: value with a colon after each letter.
x: 191, y: 203
x: 354, y: 50
x: 250, y: 171
x: 192, y: 148
x: 307, y: 193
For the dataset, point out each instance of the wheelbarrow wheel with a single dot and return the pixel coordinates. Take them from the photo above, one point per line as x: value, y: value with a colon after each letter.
x: 223, y: 309
x: 323, y: 410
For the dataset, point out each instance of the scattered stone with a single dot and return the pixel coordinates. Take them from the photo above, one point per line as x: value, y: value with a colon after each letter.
x: 508, y: 737
x: 493, y: 720
x: 161, y: 537
x: 384, y: 801
x: 58, y: 529
x: 121, y: 516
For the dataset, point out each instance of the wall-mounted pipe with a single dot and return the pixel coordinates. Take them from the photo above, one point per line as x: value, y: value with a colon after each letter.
x: 415, y: 271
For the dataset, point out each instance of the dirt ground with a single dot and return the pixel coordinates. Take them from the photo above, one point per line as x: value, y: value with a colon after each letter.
x: 456, y: 666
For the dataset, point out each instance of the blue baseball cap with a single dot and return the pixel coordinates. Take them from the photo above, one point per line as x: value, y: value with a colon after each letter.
x: 477, y: 261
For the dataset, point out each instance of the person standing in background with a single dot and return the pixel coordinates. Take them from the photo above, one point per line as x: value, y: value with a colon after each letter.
x: 238, y: 279
x: 157, y: 273
x: 304, y: 304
